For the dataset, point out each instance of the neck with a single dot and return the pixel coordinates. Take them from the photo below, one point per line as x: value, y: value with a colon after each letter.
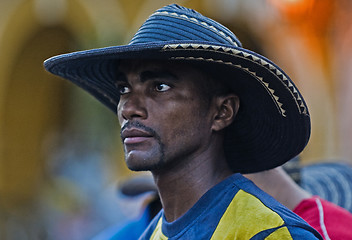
x: 181, y: 186
x: 278, y: 184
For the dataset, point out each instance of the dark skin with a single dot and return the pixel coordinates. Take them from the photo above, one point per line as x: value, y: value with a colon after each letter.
x: 278, y: 184
x: 168, y: 128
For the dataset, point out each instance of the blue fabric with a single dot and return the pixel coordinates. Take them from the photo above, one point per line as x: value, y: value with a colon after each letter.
x: 130, y: 231
x: 202, y: 219
x: 330, y: 181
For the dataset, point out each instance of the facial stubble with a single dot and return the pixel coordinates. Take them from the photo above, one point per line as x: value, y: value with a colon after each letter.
x: 158, y: 152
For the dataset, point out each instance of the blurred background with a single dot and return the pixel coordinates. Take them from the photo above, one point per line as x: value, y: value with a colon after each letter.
x: 60, y: 154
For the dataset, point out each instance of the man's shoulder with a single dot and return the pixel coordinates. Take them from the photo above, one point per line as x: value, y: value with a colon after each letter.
x: 253, y: 212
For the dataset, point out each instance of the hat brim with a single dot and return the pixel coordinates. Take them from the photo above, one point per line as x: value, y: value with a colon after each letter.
x: 273, y: 123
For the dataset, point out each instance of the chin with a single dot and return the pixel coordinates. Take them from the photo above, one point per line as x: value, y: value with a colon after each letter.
x: 141, y: 168
x: 142, y: 164
x: 136, y: 161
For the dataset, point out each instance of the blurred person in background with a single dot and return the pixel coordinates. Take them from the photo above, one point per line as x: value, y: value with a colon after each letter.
x: 142, y: 187
x: 330, y: 220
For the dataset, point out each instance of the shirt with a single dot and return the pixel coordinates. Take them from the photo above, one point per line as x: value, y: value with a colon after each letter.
x: 233, y: 209
x: 330, y: 220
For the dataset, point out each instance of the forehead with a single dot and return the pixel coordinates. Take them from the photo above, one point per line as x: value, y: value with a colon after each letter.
x: 139, y: 66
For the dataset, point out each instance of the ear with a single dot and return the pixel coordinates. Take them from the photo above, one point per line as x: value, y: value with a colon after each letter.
x: 226, y: 110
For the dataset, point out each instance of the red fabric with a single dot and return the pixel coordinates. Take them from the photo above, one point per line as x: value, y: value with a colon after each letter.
x: 331, y: 221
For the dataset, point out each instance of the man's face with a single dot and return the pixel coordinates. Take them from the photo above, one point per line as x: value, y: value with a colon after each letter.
x: 165, y: 118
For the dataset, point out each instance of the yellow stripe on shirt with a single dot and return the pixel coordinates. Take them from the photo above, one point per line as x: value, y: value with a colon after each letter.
x: 158, y: 234
x: 246, y: 216
x: 280, y: 233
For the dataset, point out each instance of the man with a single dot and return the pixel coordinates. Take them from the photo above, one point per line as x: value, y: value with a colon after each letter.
x: 196, y: 109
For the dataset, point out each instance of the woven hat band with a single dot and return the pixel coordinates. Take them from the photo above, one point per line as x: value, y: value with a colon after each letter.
x: 170, y: 26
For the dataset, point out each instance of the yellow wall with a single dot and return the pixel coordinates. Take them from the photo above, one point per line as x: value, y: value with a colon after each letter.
x: 32, y: 102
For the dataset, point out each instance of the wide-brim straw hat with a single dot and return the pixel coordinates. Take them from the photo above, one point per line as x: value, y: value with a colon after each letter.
x: 273, y: 123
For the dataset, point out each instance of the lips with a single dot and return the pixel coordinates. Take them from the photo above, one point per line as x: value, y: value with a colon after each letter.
x: 134, y: 136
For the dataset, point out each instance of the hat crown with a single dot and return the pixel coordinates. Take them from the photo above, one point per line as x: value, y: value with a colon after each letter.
x: 174, y: 22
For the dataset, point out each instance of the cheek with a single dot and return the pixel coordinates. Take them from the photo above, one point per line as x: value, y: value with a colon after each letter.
x: 118, y: 112
x: 182, y: 123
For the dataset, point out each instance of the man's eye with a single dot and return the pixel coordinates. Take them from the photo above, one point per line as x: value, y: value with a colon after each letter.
x: 123, y: 89
x: 162, y: 87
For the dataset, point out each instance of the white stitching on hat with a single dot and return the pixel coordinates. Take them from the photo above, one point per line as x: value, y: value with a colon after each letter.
x: 294, y: 92
x: 254, y: 74
x: 185, y: 17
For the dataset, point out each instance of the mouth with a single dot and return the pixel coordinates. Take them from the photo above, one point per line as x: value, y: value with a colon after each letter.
x: 134, y: 136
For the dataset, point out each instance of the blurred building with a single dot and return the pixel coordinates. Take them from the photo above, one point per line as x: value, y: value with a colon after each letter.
x: 60, y: 155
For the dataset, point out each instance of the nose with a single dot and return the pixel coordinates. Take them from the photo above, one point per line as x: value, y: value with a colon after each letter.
x: 132, y: 107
